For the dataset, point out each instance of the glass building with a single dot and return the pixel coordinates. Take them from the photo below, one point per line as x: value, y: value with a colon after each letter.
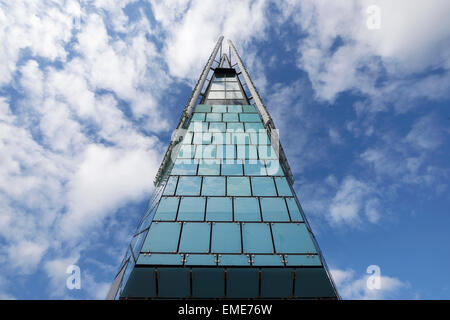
x: 224, y: 220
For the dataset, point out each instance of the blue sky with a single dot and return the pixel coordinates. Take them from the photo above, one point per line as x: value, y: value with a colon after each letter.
x: 90, y: 92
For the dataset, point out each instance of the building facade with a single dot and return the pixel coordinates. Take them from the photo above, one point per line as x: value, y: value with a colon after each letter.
x: 224, y: 220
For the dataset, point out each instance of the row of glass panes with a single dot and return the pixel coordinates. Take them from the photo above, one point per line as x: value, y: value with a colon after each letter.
x: 225, y: 108
x: 229, y: 137
x: 227, y: 186
x: 227, y: 151
x: 228, y: 237
x: 229, y: 85
x: 256, y: 260
x: 225, y: 78
x: 225, y: 95
x: 198, y: 126
x: 226, y: 117
x: 267, y: 209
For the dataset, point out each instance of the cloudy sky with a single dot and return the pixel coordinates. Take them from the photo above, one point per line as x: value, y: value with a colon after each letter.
x: 90, y: 92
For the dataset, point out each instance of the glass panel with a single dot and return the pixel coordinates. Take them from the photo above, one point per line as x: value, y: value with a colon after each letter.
x: 233, y: 86
x: 313, y: 282
x: 263, y: 186
x: 226, y: 152
x: 232, y: 169
x: 202, y: 108
x: 200, y: 260
x: 226, y: 238
x: 170, y: 186
x: 230, y: 117
x: 189, y: 186
x: 217, y: 127
x: 219, y: 108
x: 208, y: 169
x: 219, y: 209
x: 238, y: 186
x: 196, y: 126
x: 191, y: 208
x: 257, y: 238
x: 140, y: 284
x: 283, y: 186
x: 266, y: 152
x: 234, y: 95
x: 254, y: 169
x: 216, y: 95
x: 167, y: 208
x: 235, y: 126
x: 302, y: 260
x: 267, y: 260
x: 242, y: 283
x: 173, y: 282
x: 187, y: 139
x: 240, y: 138
x: 274, y: 209
x: 249, y: 109
x: 213, y: 186
x: 184, y: 167
x: 195, y: 237
x: 218, y: 86
x: 246, y: 209
x: 249, y: 117
x: 294, y: 210
x: 205, y: 151
x: 214, y: 117
x: 253, y: 126
x: 260, y: 137
x: 202, y: 138
x: 197, y: 116
x: 277, y: 282
x: 274, y: 168
x: 186, y: 151
x: 236, y: 108
x: 160, y: 259
x: 162, y: 237
x: 220, y: 138
x: 246, y: 152
x: 292, y: 238
x: 234, y: 260
x: 208, y: 283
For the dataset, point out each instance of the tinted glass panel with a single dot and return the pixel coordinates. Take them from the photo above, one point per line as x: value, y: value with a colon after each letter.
x: 214, y: 117
x: 213, y: 186
x: 266, y: 152
x: 257, y: 238
x: 208, y: 169
x: 249, y: 117
x: 198, y: 117
x: 219, y: 209
x: 274, y: 209
x: 167, y: 209
x: 186, y: 151
x: 184, y: 167
x: 195, y: 237
x: 191, y: 208
x: 263, y: 186
x: 303, y: 260
x: 235, y: 126
x: 162, y: 237
x: 249, y: 109
x: 189, y: 186
x: 230, y: 117
x: 170, y: 186
x: 267, y: 260
x: 205, y: 151
x: 254, y: 168
x: 226, y: 238
x: 292, y: 238
x: 219, y: 108
x: 234, y: 260
x: 232, y: 169
x: 200, y: 259
x: 273, y: 168
x: 294, y: 210
x: 246, y: 152
x: 246, y: 209
x: 283, y: 187
x: 238, y: 186
x: 226, y: 152
x: 202, y: 108
x: 235, y: 108
x: 217, y: 127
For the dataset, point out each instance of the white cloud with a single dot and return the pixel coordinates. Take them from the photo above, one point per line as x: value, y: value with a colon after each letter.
x: 426, y: 134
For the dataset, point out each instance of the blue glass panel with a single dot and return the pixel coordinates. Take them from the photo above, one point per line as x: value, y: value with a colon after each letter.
x: 136, y: 243
x: 220, y: 138
x: 263, y: 186
x: 230, y: 117
x: 254, y: 168
x: 246, y: 152
x: 277, y: 282
x: 203, y: 108
x: 274, y: 209
x: 213, y: 186
x: 198, y: 126
x: 160, y: 259
x: 294, y: 210
x: 205, y: 152
x: 197, y: 116
x: 217, y: 127
x: 292, y: 238
x: 214, y: 117
x: 219, y: 209
x: 202, y: 137
x: 195, y: 237
x: 226, y: 151
x: 266, y: 152
x: 302, y: 260
x: 200, y: 260
x: 234, y: 260
x: 240, y: 138
x: 283, y: 186
x: 238, y: 186
x: 208, y: 283
x: 249, y: 117
x: 232, y: 168
x: 208, y: 169
x: 259, y: 137
x: 184, y: 167
x: 167, y: 208
x: 219, y: 108
x: 274, y: 168
x: 170, y: 186
x: 162, y: 237
x: 226, y: 237
x: 246, y: 209
x: 249, y: 109
x: 173, y: 282
x: 235, y: 108
x: 267, y: 260
x: 313, y: 283
x: 187, y: 139
x: 140, y: 284
x: 191, y: 208
x: 189, y: 186
x: 186, y: 151
x: 253, y: 126
x: 235, y: 126
x: 257, y: 238
x: 242, y: 283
